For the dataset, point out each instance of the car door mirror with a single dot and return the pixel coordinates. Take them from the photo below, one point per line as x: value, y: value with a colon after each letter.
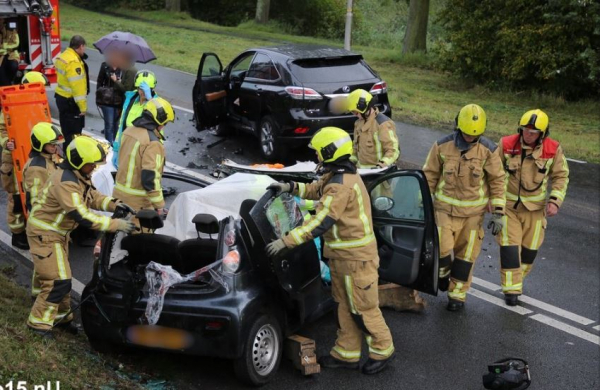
x: 383, y: 203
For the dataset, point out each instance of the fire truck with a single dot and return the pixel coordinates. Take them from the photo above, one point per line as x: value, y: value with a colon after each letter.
x: 39, y: 33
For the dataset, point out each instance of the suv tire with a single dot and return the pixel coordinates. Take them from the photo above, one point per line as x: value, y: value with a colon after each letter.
x: 271, y: 147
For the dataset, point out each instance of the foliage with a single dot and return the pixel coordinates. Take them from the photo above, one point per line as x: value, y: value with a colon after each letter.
x: 546, y: 45
x: 225, y: 13
x: 321, y: 18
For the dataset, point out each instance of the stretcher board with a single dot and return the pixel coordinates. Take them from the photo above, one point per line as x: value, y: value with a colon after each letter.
x: 23, y: 107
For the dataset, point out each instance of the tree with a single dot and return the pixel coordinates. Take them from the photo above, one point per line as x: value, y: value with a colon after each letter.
x: 173, y: 5
x: 262, y: 11
x: 415, y: 38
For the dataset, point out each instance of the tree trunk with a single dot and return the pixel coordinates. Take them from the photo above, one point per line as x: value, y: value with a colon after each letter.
x: 262, y: 11
x: 173, y: 5
x: 415, y: 38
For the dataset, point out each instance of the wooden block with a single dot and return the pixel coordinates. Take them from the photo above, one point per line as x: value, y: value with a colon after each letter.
x: 302, y: 352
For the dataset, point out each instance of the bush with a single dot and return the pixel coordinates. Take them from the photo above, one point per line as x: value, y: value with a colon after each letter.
x: 225, y: 13
x: 546, y: 45
x: 100, y: 5
x: 321, y: 18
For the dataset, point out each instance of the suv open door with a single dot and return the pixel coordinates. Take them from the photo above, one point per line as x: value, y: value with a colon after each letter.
x: 208, y: 94
x: 404, y: 224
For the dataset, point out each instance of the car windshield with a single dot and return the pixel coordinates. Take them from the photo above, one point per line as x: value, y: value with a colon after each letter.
x: 331, y: 70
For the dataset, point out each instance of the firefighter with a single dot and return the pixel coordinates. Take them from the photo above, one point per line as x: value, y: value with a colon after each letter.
x: 64, y: 203
x: 343, y: 217
x: 142, y: 158
x: 72, y: 89
x: 145, y: 83
x: 9, y: 53
x: 530, y: 158
x: 43, y: 162
x: 464, y: 172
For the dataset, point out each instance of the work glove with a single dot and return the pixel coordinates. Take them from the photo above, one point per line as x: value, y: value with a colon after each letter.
x: 127, y: 209
x: 496, y: 224
x: 147, y: 90
x: 125, y: 226
x: 275, y: 247
x: 279, y: 188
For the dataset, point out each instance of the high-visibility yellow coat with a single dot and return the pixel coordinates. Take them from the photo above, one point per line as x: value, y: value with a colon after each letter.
x: 375, y: 141
x: 72, y: 79
x: 38, y: 169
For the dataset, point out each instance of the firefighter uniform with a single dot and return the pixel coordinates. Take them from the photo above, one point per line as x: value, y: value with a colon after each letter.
x: 527, y: 172
x: 9, y: 54
x: 71, y: 92
x: 375, y: 141
x: 463, y: 177
x: 14, y: 208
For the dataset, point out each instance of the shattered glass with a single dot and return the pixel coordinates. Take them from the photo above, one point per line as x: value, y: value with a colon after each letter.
x: 160, y: 278
x: 283, y: 214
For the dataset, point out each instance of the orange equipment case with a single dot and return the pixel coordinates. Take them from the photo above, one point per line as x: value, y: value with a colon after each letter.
x: 23, y: 107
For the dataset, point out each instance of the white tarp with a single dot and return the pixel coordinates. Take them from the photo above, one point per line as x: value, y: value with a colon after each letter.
x: 299, y: 167
x: 220, y: 199
x: 102, y: 178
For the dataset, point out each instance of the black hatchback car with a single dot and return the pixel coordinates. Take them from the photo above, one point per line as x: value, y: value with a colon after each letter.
x: 281, y: 94
x: 266, y: 299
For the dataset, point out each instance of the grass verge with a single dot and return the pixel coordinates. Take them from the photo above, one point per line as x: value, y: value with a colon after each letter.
x: 419, y: 94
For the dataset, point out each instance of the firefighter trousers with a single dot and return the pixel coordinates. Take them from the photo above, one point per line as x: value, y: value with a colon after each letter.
x: 51, y: 264
x: 463, y: 237
x: 519, y: 241
x: 14, y: 206
x: 354, y: 288
x: 71, y: 122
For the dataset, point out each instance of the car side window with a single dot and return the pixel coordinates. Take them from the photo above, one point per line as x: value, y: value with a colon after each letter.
x: 263, y: 68
x: 242, y: 65
x: 398, y: 197
x: 211, y: 67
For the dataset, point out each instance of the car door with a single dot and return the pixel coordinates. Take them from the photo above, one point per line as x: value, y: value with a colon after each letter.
x: 259, y: 84
x: 209, y: 92
x: 404, y: 225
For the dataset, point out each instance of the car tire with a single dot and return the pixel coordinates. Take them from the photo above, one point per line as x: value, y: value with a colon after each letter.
x: 271, y: 148
x: 262, y: 352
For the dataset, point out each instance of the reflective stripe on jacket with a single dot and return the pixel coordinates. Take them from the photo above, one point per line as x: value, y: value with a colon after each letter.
x: 36, y: 173
x: 342, y: 217
x: 465, y: 177
x: 375, y: 141
x: 527, y: 173
x: 72, y: 78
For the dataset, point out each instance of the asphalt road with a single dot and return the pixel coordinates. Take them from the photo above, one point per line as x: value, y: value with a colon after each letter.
x: 556, y: 329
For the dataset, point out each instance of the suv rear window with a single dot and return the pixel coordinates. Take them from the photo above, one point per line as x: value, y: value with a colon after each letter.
x: 331, y: 70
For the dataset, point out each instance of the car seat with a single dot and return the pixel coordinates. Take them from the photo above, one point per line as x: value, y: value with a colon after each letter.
x: 198, y: 252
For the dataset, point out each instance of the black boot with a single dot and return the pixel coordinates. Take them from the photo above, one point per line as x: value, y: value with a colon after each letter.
x: 44, y: 334
x: 373, y: 366
x: 511, y: 299
x: 443, y: 284
x: 19, y: 240
x: 454, y: 305
x: 331, y: 362
x: 68, y: 327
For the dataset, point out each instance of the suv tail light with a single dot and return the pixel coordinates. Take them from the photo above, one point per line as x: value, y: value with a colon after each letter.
x: 303, y: 93
x: 379, y: 88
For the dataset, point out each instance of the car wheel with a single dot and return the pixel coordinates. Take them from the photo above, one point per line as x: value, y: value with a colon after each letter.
x: 270, y: 145
x: 262, y: 352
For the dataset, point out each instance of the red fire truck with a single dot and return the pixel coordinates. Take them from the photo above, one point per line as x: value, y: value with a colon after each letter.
x: 39, y: 33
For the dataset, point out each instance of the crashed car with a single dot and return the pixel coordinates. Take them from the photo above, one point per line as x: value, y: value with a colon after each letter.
x: 248, y: 303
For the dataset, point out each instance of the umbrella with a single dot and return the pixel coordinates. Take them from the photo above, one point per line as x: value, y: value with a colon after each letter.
x: 131, y: 43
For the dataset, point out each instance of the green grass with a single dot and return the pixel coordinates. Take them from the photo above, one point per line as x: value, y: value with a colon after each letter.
x: 419, y: 93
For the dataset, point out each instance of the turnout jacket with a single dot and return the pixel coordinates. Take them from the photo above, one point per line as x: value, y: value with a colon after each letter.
x: 65, y: 203
x: 528, y: 170
x: 72, y: 78
x: 38, y: 169
x: 10, y: 43
x: 375, y: 141
x: 6, y: 154
x: 342, y: 217
x: 463, y: 177
x: 141, y: 163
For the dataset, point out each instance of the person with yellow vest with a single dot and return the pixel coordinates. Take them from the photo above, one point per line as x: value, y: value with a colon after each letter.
x: 343, y: 218
x: 43, y: 162
x: 464, y: 173
x: 72, y: 88
x: 142, y: 158
x: 530, y: 158
x: 9, y: 53
x: 63, y: 204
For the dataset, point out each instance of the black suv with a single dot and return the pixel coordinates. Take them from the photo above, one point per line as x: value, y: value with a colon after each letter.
x: 281, y: 94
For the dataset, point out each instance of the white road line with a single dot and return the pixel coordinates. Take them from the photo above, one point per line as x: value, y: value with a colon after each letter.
x: 592, y: 338
x: 7, y: 239
x: 498, y: 302
x: 576, y: 161
x: 539, y: 304
x: 596, y: 327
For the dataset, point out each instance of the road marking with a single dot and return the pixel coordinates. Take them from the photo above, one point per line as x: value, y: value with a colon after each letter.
x: 597, y: 327
x: 76, y: 285
x: 592, y: 338
x: 498, y: 302
x: 576, y: 161
x: 539, y: 304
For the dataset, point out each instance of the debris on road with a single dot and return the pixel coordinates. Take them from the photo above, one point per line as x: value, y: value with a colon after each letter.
x: 195, y: 140
x: 216, y: 143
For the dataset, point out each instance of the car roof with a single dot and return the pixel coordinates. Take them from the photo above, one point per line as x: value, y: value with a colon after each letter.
x: 297, y: 52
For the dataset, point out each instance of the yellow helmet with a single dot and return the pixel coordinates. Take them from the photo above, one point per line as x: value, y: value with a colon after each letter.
x: 35, y: 77
x: 359, y: 100
x: 147, y: 76
x: 331, y: 143
x: 535, y: 119
x: 160, y: 110
x: 45, y: 133
x: 471, y: 120
x: 85, y: 150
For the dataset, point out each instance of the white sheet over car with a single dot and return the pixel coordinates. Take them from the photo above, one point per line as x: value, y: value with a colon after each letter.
x: 299, y: 167
x: 220, y: 199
